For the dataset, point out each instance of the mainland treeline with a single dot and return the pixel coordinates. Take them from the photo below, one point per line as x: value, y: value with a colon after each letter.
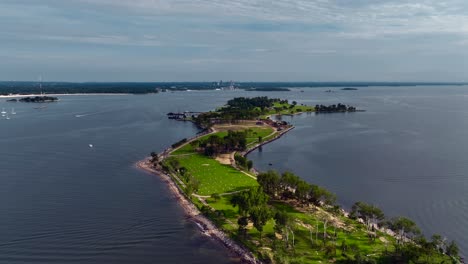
x: 28, y: 87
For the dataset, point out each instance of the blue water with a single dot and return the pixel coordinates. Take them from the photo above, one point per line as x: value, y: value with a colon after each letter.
x: 407, y: 154
x: 64, y: 202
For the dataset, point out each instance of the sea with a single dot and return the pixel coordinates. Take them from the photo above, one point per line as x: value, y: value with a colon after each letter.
x: 70, y: 191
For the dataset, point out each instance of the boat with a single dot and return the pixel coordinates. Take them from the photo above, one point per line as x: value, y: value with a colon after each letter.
x: 3, y: 112
x: 13, y: 111
x: 91, y: 145
x: 7, y: 117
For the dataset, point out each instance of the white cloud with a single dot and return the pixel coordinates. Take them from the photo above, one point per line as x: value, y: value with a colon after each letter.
x: 365, y: 18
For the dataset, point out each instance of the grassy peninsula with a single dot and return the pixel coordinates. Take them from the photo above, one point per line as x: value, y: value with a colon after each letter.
x: 280, y: 218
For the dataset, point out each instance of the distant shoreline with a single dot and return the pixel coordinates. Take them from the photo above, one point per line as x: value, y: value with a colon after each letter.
x: 29, y: 95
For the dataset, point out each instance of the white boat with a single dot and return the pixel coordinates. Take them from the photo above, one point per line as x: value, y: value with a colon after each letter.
x: 13, y: 111
x: 7, y: 117
x: 3, y: 112
x: 91, y: 145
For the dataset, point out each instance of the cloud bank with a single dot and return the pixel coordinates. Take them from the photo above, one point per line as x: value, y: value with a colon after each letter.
x: 162, y: 40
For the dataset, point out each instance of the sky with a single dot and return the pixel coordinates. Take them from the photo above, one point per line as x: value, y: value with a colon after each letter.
x: 241, y: 40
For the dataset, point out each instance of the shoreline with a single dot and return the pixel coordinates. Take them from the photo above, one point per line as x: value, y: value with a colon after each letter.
x: 191, y: 211
x: 33, y: 95
x: 204, y: 223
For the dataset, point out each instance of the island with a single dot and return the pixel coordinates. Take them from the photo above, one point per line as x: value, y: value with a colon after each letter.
x: 268, y: 89
x: 349, y: 89
x: 335, y: 108
x: 271, y: 217
x: 38, y: 99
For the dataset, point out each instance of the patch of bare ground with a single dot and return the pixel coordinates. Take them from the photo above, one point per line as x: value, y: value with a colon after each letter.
x: 224, y: 159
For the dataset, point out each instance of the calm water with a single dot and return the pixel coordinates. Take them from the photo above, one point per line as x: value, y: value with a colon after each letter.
x: 408, y: 154
x: 63, y: 202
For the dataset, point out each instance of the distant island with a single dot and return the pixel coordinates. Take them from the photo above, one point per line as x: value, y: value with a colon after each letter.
x: 268, y: 89
x: 338, y: 108
x: 272, y: 217
x: 349, y: 89
x: 37, y: 99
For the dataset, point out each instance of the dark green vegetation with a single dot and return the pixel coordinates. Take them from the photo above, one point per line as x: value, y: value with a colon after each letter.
x: 153, y: 87
x: 215, y: 145
x: 334, y: 108
x: 349, y: 89
x: 242, y: 108
x: 38, y: 99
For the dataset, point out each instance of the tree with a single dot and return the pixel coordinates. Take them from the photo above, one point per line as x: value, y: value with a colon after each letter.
x: 288, y: 183
x: 302, y: 191
x: 247, y: 200
x: 243, y: 222
x: 154, y: 156
x: 452, y: 249
x: 369, y: 213
x: 249, y: 165
x: 438, y: 243
x: 404, y: 227
x: 269, y: 181
x: 318, y: 195
x: 283, y: 225
x: 260, y: 216
x: 173, y: 163
x: 192, y: 185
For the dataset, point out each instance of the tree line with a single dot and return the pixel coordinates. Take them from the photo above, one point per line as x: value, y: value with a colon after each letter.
x: 215, y: 145
x: 239, y: 108
x: 334, y: 108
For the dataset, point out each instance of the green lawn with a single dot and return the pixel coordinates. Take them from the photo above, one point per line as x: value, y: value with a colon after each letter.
x: 288, y: 110
x: 260, y: 131
x: 215, y: 177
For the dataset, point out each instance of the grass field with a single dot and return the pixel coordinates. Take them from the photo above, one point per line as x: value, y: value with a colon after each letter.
x: 288, y: 110
x: 215, y: 177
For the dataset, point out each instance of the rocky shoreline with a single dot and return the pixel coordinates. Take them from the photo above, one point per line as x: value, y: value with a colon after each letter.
x: 192, y: 212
